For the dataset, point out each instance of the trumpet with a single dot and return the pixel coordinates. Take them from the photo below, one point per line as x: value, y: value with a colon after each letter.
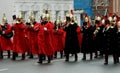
x: 57, y: 28
x: 96, y: 30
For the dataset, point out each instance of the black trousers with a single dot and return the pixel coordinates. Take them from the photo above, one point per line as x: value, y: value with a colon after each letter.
x: 84, y: 56
x: 67, y: 56
x: 1, y: 54
x: 61, y: 54
x: 15, y: 54
x: 115, y: 57
x: 42, y: 57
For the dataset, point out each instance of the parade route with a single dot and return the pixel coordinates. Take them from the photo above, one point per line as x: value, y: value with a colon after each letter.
x: 58, y: 66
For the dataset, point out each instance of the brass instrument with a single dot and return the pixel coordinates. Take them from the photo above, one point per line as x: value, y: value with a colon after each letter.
x: 96, y: 30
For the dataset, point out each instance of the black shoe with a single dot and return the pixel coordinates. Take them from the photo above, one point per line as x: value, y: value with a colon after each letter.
x: 16, y: 54
x: 115, y: 62
x: 72, y: 55
x: 95, y: 56
x: 61, y: 56
x: 8, y: 57
x: 44, y: 58
x: 101, y: 55
x: 55, y: 57
x: 39, y: 62
x: 13, y: 59
x: 1, y: 57
x: 23, y: 59
x: 66, y: 60
x: 90, y: 58
x: 30, y: 57
x: 49, y: 61
x: 105, y: 63
x: 76, y: 59
x: 83, y: 58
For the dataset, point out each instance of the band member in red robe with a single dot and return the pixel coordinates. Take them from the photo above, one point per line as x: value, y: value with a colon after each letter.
x: 19, y: 44
x: 59, y: 38
x: 33, y: 35
x: 27, y: 32
x: 5, y: 38
x: 45, y: 38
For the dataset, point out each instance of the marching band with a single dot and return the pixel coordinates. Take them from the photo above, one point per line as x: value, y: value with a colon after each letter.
x: 47, y: 38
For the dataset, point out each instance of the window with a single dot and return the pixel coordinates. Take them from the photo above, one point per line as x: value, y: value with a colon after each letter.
x: 36, y: 14
x: 57, y: 14
x: 24, y: 14
x: 100, y: 2
x: 65, y: 13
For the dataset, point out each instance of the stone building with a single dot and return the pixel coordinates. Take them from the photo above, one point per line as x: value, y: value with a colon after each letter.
x: 55, y: 7
x: 106, y: 6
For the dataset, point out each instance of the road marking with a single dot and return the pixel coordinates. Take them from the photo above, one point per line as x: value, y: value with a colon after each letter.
x: 3, y: 69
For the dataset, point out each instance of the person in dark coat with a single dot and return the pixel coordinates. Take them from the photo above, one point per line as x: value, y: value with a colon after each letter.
x: 71, y: 40
x: 118, y: 40
x: 98, y: 37
x: 110, y: 34
x: 87, y: 40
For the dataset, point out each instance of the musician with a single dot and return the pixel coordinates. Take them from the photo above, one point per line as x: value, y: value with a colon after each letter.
x: 110, y: 35
x: 5, y: 38
x: 98, y: 36
x: 33, y: 35
x: 59, y: 38
x: 118, y: 40
x: 87, y: 40
x: 45, y: 38
x: 27, y: 32
x: 71, y: 39
x: 19, y: 44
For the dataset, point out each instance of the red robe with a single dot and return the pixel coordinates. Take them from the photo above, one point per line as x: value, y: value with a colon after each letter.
x: 6, y: 43
x: 45, y: 39
x: 33, y: 38
x: 27, y: 34
x: 19, y: 44
x: 79, y: 36
x: 59, y: 39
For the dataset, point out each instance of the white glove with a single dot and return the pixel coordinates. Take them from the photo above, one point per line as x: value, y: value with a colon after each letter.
x: 32, y: 25
x: 3, y: 32
x: 98, y: 28
x: 45, y: 28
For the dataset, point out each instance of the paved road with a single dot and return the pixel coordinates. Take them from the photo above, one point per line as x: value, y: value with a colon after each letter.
x: 58, y: 66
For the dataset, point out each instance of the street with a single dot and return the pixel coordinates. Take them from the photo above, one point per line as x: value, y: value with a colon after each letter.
x: 58, y: 66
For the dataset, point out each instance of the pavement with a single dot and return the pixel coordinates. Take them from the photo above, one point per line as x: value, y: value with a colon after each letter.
x: 58, y: 66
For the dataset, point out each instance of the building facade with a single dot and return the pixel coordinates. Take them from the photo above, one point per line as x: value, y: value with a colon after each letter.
x: 101, y: 6
x: 55, y: 7
x: 106, y: 6
x: 115, y: 6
